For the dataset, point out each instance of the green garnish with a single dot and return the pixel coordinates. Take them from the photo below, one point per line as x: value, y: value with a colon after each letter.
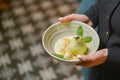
x: 59, y: 55
x: 87, y: 39
x: 80, y: 31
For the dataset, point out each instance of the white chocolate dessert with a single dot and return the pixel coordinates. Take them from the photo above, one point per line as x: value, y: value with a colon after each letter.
x: 70, y: 47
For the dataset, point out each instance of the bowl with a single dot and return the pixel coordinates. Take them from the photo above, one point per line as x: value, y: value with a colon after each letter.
x: 58, y: 30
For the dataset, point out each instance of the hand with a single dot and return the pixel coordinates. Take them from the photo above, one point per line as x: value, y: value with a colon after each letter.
x: 95, y: 59
x: 77, y: 17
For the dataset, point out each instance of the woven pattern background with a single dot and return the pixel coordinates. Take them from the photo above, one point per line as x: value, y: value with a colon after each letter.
x: 22, y: 56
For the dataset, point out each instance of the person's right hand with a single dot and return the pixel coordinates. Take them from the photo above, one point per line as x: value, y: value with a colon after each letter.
x: 76, y: 17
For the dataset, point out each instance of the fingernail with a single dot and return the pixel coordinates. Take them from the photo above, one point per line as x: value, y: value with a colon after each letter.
x: 60, y: 18
x: 79, y: 56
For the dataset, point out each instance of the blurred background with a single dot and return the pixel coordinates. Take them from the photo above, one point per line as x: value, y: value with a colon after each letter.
x: 22, y: 23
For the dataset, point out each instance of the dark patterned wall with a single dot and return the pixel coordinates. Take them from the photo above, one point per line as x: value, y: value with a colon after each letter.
x: 22, y: 56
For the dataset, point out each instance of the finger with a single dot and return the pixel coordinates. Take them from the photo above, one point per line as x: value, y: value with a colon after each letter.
x: 85, y: 58
x: 85, y: 64
x: 79, y: 56
x: 72, y: 17
x: 65, y: 19
x: 82, y: 58
x: 90, y: 23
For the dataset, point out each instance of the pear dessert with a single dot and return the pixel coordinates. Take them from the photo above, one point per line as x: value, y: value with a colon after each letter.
x: 70, y: 46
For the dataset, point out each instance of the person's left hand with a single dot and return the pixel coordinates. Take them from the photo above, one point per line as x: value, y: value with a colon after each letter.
x: 97, y: 58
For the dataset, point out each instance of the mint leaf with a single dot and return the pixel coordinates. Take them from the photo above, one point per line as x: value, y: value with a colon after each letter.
x: 80, y: 31
x: 59, y: 56
x: 87, y: 39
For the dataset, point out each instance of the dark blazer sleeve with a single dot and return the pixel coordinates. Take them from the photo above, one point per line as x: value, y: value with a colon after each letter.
x: 93, y: 14
x: 113, y: 57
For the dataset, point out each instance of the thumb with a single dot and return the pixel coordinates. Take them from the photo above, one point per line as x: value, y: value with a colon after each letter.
x: 85, y: 58
x: 82, y: 57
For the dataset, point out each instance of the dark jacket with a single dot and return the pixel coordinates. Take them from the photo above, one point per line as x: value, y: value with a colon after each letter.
x: 106, y: 14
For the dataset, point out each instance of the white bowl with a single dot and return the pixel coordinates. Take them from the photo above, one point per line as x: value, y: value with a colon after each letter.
x: 59, y: 30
